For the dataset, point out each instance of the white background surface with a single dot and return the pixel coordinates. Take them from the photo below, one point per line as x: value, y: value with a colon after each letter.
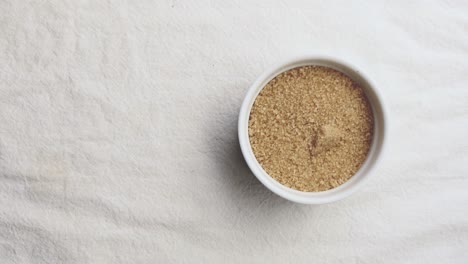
x: 118, y: 135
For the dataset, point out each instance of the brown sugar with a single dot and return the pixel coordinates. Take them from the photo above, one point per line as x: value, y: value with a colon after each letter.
x: 310, y: 128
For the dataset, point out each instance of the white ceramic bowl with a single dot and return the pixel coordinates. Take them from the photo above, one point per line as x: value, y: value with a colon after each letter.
x: 375, y: 151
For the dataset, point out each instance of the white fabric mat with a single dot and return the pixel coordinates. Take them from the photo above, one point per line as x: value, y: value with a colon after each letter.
x: 118, y: 135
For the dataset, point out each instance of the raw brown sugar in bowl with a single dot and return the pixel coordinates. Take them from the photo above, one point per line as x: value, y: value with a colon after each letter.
x: 311, y: 128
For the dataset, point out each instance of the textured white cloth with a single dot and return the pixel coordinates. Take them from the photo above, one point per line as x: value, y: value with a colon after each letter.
x: 118, y: 139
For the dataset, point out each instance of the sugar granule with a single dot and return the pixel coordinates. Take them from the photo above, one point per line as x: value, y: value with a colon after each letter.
x: 310, y: 128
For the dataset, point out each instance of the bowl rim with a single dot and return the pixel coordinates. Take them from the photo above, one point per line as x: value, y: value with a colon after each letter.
x: 377, y: 146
